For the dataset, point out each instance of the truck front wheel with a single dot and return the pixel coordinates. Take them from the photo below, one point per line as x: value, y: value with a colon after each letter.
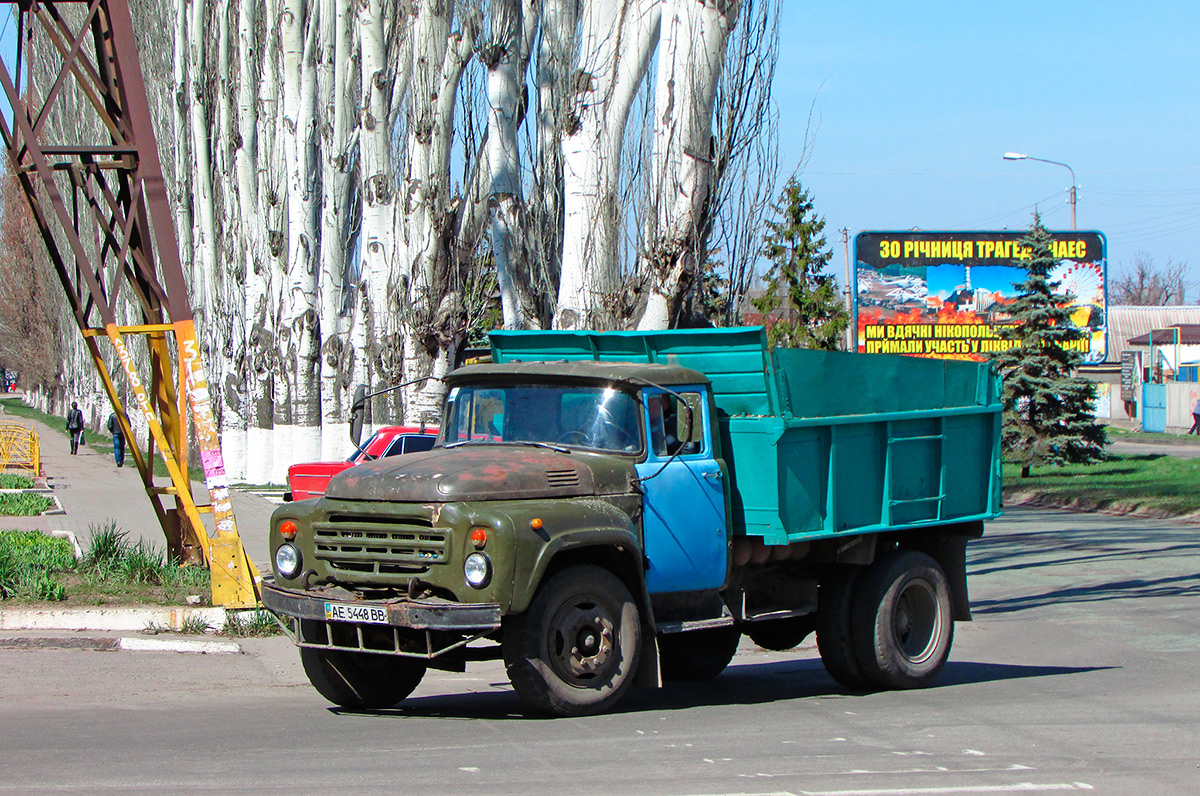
x: 903, y: 623
x: 359, y: 680
x: 574, y: 652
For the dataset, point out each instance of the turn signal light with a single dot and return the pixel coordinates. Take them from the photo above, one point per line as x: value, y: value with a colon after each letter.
x: 287, y: 529
x: 536, y: 524
x: 478, y: 537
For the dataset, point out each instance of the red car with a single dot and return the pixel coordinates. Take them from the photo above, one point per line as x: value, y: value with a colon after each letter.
x: 309, y: 479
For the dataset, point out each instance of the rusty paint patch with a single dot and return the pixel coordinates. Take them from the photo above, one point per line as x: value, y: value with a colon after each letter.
x: 483, y: 472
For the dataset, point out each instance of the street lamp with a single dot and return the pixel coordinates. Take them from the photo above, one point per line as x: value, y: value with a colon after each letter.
x: 1019, y: 156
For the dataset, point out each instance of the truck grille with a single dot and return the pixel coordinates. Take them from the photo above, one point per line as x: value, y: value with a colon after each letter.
x: 380, y: 548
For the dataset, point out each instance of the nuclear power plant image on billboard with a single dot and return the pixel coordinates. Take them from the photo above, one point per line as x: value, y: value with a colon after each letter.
x: 947, y: 294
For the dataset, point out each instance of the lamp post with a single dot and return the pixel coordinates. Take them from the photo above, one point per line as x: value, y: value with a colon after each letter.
x: 1019, y: 156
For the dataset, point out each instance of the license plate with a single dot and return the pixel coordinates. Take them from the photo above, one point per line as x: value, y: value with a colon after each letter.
x: 349, y: 612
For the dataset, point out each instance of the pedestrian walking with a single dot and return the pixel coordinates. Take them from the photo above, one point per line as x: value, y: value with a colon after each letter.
x: 114, y: 428
x: 1195, y: 429
x: 75, y: 427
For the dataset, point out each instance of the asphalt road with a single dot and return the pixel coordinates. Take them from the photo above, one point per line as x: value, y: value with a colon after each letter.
x: 1183, y: 449
x: 1079, y: 674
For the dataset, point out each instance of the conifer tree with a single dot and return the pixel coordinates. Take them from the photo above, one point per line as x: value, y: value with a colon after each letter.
x: 1047, y: 409
x: 813, y: 314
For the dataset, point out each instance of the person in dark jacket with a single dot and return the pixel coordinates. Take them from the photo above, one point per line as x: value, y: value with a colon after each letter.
x: 75, y: 426
x: 114, y: 428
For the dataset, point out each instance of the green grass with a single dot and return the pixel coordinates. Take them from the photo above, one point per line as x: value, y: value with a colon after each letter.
x: 245, y: 624
x: 114, y: 571
x: 13, y: 481
x: 1157, y: 483
x: 17, y: 408
x: 31, y: 565
x: 23, y: 504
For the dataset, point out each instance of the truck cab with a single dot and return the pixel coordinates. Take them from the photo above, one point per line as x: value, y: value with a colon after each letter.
x: 588, y: 521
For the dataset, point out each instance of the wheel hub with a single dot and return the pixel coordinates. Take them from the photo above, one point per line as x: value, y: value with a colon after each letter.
x: 581, y: 644
x: 917, y: 623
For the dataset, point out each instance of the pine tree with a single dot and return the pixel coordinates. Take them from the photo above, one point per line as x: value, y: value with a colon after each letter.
x: 813, y: 316
x: 1047, y: 410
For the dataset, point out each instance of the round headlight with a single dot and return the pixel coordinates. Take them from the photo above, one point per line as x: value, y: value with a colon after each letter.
x: 287, y: 560
x: 477, y: 569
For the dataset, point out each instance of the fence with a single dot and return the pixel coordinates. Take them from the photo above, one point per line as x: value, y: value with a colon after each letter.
x: 19, y: 449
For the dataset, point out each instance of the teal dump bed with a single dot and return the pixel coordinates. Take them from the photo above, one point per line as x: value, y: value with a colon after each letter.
x: 823, y: 443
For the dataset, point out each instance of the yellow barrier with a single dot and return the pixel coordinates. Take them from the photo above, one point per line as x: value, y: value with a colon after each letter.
x: 19, y: 449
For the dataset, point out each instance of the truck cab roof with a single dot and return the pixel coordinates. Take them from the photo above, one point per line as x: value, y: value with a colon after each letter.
x: 635, y: 372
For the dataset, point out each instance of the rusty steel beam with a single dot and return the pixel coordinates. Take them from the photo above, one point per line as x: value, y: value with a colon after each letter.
x: 105, y: 217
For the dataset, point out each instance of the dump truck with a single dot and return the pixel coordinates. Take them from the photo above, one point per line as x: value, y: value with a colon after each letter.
x: 605, y: 510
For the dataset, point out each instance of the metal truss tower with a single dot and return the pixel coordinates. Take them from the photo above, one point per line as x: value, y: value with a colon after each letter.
x: 103, y: 213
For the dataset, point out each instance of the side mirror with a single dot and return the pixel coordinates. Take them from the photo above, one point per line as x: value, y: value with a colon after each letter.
x: 357, y: 409
x: 685, y: 425
x: 692, y: 424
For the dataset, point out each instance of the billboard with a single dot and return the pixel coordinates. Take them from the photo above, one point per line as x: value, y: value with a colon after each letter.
x: 947, y: 294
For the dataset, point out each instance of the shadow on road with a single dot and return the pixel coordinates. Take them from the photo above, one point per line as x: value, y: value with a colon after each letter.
x: 740, y: 684
x: 1179, y: 586
x: 1071, y: 547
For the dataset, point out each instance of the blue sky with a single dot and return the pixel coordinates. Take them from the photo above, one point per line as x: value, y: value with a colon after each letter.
x: 917, y: 102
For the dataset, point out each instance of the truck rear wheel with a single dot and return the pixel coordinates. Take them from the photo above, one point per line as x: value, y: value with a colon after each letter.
x: 903, y: 622
x: 361, y: 679
x: 697, y: 655
x: 575, y: 651
x: 835, y: 642
x: 781, y: 634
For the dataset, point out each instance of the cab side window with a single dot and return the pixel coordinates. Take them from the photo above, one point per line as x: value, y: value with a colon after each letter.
x: 670, y: 431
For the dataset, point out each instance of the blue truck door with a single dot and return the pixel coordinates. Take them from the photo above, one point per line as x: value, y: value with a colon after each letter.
x: 684, y: 532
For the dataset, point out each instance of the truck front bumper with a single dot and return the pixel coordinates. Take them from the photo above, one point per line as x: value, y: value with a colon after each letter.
x: 409, y: 629
x: 431, y: 614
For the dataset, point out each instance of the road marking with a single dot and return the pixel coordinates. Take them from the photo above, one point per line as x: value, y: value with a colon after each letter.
x: 1020, y: 787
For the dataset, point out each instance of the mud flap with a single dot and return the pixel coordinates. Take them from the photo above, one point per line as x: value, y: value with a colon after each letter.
x: 649, y: 673
x: 948, y: 547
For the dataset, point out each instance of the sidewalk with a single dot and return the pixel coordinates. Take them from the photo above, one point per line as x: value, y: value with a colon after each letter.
x: 93, y: 491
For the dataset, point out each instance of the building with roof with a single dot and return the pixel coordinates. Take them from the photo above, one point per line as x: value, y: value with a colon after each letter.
x: 1132, y: 360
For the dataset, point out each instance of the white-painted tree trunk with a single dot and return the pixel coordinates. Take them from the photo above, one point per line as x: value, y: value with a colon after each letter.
x: 616, y: 44
x: 691, y: 56
x: 297, y: 432
x: 337, y: 107
x: 432, y: 323
x: 506, y: 86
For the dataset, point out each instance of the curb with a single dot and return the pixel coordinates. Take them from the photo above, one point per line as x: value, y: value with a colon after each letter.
x: 119, y: 619
x: 204, y: 647
x: 179, y: 645
x: 70, y: 537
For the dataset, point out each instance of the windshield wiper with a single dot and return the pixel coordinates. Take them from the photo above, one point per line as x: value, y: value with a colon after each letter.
x: 547, y: 445
x: 463, y: 442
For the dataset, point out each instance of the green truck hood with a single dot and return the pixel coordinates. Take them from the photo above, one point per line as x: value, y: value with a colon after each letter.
x: 482, y: 472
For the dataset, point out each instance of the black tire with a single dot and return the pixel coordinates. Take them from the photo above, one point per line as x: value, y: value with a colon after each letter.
x: 697, y: 655
x: 575, y: 651
x: 903, y: 621
x: 835, y: 601
x: 359, y: 680
x: 781, y: 634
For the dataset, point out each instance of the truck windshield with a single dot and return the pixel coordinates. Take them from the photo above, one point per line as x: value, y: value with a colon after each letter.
x: 570, y: 416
